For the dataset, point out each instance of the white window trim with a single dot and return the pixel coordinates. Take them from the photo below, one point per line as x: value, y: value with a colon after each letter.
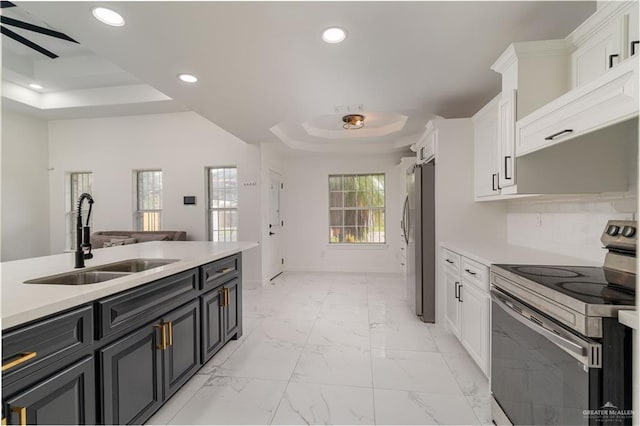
x: 355, y: 245
x: 207, y: 209
x: 136, y: 211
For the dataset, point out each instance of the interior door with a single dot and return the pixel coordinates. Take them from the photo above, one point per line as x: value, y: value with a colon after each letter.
x: 275, y: 224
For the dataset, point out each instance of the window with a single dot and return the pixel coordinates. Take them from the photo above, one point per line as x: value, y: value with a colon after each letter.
x: 223, y: 203
x: 148, y: 199
x: 356, y: 209
x: 76, y: 184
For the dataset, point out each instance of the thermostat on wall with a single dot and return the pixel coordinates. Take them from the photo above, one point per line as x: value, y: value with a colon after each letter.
x: 189, y: 199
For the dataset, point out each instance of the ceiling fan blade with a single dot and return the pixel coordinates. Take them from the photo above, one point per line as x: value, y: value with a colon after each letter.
x: 35, y: 28
x: 28, y: 43
x: 4, y: 4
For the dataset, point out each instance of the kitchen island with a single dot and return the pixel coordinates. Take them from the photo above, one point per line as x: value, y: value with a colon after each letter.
x: 113, y: 352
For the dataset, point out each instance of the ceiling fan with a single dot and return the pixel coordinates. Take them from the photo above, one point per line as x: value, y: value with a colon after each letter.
x: 5, y: 20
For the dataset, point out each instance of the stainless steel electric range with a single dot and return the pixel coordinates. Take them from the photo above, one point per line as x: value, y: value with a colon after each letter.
x: 558, y: 353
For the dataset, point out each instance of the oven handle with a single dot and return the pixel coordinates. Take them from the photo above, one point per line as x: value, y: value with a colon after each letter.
x: 587, y: 353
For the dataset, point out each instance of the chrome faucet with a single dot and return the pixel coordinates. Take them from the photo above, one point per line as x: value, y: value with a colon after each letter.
x: 83, y: 234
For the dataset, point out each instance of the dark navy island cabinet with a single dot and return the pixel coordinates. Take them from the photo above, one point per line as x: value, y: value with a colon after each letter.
x: 118, y: 359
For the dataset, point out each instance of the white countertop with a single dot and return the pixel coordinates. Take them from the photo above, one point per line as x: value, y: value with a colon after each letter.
x: 25, y: 302
x: 491, y: 253
x: 629, y: 318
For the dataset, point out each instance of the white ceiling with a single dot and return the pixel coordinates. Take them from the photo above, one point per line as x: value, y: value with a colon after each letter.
x: 264, y: 71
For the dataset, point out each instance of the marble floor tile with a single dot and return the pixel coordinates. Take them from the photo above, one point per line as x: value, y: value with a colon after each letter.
x: 418, y: 408
x: 445, y: 341
x: 409, y: 337
x: 413, y: 371
x: 468, y: 375
x: 169, y: 410
x: 262, y: 359
x: 284, y: 330
x: 339, y: 333
x: 344, y: 314
x: 232, y: 400
x: 392, y: 314
x: 313, y: 404
x: 220, y: 357
x: 336, y: 365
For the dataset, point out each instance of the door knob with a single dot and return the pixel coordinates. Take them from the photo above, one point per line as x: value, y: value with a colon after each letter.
x: 271, y: 233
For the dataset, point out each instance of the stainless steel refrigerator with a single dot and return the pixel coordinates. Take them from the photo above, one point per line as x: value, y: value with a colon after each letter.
x: 418, y: 224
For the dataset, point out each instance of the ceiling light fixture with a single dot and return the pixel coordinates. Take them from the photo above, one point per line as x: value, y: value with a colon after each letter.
x: 334, y: 35
x: 35, y: 86
x: 188, y: 78
x: 108, y: 16
x: 353, y: 121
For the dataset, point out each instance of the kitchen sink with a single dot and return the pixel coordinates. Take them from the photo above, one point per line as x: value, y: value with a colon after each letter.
x: 102, y: 273
x: 78, y: 278
x: 135, y: 265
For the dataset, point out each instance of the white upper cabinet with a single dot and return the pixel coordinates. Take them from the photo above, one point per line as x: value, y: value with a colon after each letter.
x: 603, y: 41
x: 426, y: 147
x: 486, y: 153
x: 611, y: 98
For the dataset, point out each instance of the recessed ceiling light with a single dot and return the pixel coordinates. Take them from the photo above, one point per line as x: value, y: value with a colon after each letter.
x: 35, y: 86
x: 334, y: 35
x: 188, y: 78
x: 108, y: 16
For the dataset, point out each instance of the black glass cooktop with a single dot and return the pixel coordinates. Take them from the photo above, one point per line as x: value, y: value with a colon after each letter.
x: 585, y: 283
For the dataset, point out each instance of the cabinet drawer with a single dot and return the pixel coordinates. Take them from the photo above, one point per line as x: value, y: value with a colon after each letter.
x: 219, y: 272
x: 141, y: 305
x: 475, y: 273
x: 32, y: 347
x: 451, y: 261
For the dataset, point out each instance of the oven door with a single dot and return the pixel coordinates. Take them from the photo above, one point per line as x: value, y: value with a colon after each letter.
x: 540, y: 372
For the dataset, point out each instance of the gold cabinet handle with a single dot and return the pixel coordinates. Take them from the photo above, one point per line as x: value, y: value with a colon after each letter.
x: 226, y: 297
x: 22, y: 415
x: 170, y: 326
x: 163, y: 337
x: 224, y: 271
x: 26, y: 356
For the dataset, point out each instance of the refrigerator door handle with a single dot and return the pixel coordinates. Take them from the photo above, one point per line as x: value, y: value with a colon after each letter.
x: 405, y: 220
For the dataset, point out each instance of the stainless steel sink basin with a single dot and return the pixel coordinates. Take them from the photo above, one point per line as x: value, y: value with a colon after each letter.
x: 78, y: 278
x: 102, y: 273
x: 135, y: 265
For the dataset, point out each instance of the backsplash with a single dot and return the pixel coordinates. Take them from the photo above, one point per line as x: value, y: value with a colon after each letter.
x: 568, y: 225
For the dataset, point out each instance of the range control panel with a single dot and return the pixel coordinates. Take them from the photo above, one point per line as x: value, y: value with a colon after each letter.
x: 621, y: 235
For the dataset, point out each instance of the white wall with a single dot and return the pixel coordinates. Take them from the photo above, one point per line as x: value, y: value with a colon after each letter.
x: 306, y: 213
x: 180, y: 144
x: 25, y: 187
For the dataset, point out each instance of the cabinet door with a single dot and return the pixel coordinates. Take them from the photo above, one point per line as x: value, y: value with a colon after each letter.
x: 600, y: 53
x: 66, y: 398
x: 486, y: 153
x: 506, y: 139
x: 182, y: 356
x: 453, y: 306
x: 212, y: 323
x: 474, y: 324
x: 131, y: 370
x: 233, y: 311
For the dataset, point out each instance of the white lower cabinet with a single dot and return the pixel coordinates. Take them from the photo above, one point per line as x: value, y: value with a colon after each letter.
x: 467, y: 305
